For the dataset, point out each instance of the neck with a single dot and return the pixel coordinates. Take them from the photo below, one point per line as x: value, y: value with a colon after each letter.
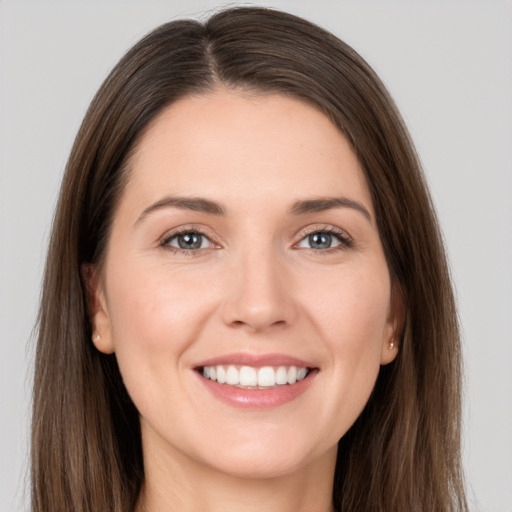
x: 181, y: 484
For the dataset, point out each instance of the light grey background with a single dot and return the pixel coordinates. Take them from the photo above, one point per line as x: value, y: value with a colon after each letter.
x: 448, y: 65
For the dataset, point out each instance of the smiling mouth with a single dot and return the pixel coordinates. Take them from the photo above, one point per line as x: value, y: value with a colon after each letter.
x: 258, y: 378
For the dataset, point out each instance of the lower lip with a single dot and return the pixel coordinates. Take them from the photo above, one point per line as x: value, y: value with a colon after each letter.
x: 258, y: 398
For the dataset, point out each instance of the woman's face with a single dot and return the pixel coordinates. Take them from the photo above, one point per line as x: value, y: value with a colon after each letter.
x: 245, y: 248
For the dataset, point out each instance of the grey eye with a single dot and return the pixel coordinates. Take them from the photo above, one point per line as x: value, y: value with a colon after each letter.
x: 320, y: 240
x: 189, y: 241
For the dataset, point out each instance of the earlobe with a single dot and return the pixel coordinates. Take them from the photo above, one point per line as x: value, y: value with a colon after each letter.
x: 97, y: 309
x: 390, y: 341
x: 389, y: 352
x: 103, y: 344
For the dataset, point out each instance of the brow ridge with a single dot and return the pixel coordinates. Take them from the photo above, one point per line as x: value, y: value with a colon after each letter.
x: 327, y: 203
x: 210, y: 207
x: 197, y: 204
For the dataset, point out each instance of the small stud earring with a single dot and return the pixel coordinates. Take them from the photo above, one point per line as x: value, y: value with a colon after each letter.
x: 96, y: 338
x: 391, y: 345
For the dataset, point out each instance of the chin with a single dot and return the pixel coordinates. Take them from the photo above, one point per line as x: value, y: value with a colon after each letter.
x: 263, y: 467
x: 264, y: 460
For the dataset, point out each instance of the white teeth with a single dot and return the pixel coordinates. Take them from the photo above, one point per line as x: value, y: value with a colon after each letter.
x: 248, y: 376
x: 301, y: 373
x: 221, y: 374
x: 281, y: 376
x: 232, y: 376
x: 292, y: 375
x: 266, y: 376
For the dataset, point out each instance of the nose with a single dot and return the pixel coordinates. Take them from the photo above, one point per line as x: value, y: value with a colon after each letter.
x: 260, y: 293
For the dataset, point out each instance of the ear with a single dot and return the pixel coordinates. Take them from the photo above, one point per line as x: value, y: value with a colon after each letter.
x: 394, y: 326
x: 97, y: 309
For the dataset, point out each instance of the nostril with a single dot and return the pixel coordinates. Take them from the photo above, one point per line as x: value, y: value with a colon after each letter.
x: 258, y: 326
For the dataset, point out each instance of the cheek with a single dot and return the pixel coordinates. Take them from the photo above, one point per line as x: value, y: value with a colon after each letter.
x: 155, y: 316
x: 353, y: 319
x: 153, y: 306
x: 353, y: 311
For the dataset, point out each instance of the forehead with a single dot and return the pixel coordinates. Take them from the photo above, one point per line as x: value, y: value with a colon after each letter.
x: 244, y: 146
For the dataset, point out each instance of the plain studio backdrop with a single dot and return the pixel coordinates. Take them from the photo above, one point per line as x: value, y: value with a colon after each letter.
x: 447, y: 64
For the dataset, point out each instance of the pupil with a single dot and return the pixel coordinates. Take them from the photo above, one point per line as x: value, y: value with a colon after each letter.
x: 189, y: 241
x: 320, y: 240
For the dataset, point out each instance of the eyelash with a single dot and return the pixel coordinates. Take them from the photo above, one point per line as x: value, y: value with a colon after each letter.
x: 345, y: 242
x: 166, y: 240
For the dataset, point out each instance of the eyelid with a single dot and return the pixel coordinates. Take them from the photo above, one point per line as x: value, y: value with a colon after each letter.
x: 164, y: 240
x: 346, y: 241
x: 344, y: 238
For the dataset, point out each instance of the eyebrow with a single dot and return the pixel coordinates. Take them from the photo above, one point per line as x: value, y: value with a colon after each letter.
x: 196, y: 204
x: 200, y: 204
x: 327, y: 203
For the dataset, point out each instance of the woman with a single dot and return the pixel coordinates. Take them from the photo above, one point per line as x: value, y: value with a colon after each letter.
x: 245, y: 235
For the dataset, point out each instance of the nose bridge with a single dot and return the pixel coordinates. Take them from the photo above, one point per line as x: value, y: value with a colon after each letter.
x: 260, y: 293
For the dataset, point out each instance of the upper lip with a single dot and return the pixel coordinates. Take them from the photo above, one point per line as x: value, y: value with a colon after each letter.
x: 256, y: 360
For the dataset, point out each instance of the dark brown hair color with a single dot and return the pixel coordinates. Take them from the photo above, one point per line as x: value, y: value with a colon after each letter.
x: 403, y: 452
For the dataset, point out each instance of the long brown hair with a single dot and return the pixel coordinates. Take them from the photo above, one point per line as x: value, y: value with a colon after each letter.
x: 403, y: 452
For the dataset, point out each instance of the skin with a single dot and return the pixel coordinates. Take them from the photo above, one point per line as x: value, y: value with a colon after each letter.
x: 256, y: 286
